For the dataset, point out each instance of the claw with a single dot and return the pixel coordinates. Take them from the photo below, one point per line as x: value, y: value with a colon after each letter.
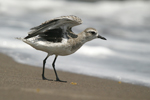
x: 43, y: 77
x: 58, y: 80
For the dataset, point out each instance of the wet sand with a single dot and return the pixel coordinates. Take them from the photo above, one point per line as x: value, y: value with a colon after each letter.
x: 24, y: 82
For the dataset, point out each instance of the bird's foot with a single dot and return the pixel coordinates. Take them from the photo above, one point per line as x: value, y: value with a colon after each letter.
x: 43, y: 77
x: 58, y: 80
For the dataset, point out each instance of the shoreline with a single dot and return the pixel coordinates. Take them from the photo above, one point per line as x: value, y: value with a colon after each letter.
x: 22, y: 81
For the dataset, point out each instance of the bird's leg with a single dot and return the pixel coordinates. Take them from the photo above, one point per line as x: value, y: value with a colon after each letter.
x: 44, y: 62
x: 53, y: 64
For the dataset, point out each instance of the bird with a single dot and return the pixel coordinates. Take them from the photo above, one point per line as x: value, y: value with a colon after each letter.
x: 55, y: 37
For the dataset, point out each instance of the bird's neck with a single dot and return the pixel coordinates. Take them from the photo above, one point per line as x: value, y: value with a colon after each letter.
x: 82, y: 38
x: 76, y: 43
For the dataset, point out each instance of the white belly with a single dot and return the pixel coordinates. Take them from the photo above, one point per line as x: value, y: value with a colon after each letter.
x: 63, y: 48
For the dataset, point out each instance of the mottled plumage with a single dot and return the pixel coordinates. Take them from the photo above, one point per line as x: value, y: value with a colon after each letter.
x: 64, y: 23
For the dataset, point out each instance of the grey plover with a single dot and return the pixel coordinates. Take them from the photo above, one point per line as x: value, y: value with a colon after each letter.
x: 57, y: 38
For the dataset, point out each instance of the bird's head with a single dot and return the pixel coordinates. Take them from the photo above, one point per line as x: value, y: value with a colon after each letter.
x: 91, y: 33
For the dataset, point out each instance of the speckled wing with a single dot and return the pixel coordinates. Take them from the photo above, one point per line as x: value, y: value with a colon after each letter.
x: 63, y: 22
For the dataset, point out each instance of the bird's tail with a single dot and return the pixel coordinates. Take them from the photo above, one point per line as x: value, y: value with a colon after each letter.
x: 24, y: 40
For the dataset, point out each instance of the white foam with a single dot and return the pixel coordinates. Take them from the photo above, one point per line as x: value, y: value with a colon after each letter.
x: 94, y: 51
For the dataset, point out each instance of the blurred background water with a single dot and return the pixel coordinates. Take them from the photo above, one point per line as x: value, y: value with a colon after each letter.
x: 125, y: 56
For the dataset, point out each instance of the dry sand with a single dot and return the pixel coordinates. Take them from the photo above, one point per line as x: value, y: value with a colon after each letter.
x: 24, y: 82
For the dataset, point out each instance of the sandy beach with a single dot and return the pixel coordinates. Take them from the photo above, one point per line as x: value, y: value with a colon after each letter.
x: 24, y: 82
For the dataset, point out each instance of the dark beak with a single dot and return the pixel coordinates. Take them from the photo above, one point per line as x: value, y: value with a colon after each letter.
x: 101, y: 37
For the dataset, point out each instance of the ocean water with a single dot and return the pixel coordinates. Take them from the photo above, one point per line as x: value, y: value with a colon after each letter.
x: 125, y: 56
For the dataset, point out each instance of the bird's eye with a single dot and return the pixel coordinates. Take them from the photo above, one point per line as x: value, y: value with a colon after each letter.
x: 93, y: 32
